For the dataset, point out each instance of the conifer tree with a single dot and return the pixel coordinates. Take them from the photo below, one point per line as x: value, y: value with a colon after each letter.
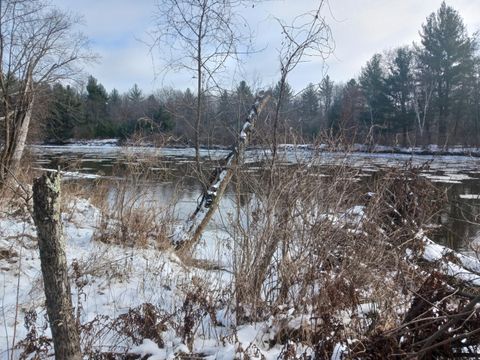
x: 448, y: 54
x: 400, y: 84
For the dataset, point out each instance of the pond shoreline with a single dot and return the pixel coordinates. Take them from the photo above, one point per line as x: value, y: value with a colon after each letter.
x: 426, y: 150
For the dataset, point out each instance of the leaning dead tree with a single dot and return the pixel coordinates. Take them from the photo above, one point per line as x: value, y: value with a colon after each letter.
x: 51, y: 243
x: 189, y: 235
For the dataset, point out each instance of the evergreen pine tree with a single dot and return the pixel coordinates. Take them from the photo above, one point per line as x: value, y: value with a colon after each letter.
x: 447, y: 52
x: 400, y: 83
x: 378, y: 107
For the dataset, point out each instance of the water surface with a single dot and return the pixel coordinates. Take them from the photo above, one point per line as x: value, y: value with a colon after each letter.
x: 174, y: 174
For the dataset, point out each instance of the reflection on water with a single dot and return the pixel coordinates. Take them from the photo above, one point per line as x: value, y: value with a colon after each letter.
x: 173, y: 175
x: 462, y: 216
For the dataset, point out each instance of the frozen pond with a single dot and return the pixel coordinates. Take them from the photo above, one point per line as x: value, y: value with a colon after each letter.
x: 460, y: 175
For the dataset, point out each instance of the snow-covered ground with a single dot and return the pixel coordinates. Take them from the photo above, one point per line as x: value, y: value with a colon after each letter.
x: 112, y: 282
x: 115, y: 279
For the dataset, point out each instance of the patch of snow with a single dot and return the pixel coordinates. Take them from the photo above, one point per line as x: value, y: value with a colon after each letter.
x: 148, y: 347
x: 339, y: 351
x: 448, y: 178
x: 94, y: 142
x: 465, y: 268
x: 71, y: 174
x: 470, y: 196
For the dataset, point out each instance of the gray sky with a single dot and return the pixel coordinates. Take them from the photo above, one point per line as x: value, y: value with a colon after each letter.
x: 359, y: 27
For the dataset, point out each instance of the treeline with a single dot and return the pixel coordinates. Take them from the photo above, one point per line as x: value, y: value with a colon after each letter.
x: 423, y: 93
x: 94, y: 113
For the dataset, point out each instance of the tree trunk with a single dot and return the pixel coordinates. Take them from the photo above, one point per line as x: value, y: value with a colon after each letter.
x: 20, y: 139
x: 442, y: 129
x: 198, y: 117
x: 193, y: 229
x: 17, y: 124
x: 47, y: 217
x: 12, y: 154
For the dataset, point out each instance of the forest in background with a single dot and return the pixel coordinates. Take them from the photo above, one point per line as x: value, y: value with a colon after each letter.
x: 423, y: 93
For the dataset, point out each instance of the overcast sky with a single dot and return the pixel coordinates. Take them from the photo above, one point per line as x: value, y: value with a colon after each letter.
x: 359, y: 28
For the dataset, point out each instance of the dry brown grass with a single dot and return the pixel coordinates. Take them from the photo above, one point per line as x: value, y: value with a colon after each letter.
x: 131, y: 213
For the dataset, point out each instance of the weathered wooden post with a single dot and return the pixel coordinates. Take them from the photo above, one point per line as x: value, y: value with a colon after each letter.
x: 48, y: 220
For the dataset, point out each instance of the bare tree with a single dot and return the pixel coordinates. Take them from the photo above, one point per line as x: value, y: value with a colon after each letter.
x: 201, y: 36
x: 38, y: 46
x: 423, y: 91
x: 307, y: 36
